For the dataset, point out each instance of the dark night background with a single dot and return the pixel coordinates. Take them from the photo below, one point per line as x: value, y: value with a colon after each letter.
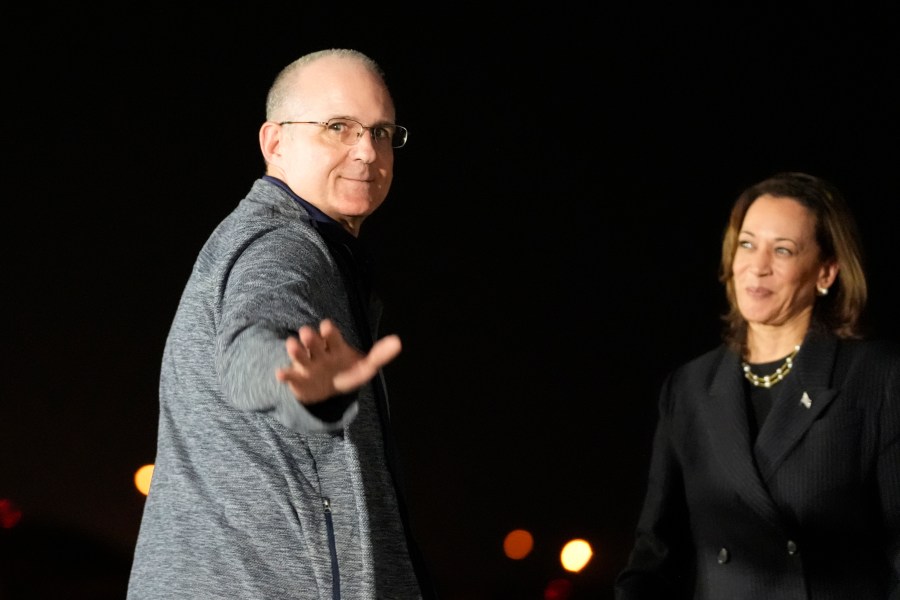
x: 547, y: 253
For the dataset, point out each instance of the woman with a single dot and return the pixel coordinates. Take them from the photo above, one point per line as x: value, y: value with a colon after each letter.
x: 775, y: 471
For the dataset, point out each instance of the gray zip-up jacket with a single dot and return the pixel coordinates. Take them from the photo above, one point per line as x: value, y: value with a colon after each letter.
x: 254, y: 495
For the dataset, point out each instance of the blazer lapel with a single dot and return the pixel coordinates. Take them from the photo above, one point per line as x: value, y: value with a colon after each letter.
x: 725, y: 415
x: 804, y: 394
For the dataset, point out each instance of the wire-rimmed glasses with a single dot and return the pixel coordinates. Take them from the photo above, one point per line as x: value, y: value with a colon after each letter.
x: 348, y: 131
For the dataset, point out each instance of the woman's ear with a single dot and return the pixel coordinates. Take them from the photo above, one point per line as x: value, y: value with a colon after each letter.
x: 827, y: 274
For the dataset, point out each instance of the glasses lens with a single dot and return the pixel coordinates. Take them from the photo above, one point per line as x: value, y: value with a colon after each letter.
x: 399, y: 138
x: 347, y: 131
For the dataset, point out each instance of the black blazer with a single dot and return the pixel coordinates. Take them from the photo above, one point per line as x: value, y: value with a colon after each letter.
x: 811, y: 510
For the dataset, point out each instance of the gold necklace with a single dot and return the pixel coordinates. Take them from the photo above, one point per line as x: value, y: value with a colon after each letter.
x: 780, y: 373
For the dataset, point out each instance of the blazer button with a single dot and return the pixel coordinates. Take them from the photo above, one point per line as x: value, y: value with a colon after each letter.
x: 791, y: 547
x: 723, y: 556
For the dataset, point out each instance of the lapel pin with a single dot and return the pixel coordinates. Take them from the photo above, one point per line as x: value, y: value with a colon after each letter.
x: 806, y: 400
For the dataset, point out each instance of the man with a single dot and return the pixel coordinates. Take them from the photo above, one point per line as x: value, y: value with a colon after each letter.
x: 275, y: 475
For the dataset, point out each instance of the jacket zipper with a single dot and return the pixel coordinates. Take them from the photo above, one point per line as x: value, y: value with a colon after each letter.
x: 332, y: 547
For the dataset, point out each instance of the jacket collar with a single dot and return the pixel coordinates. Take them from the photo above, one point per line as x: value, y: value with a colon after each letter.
x: 802, y: 397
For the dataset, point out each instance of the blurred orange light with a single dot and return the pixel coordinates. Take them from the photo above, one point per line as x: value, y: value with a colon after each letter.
x: 575, y: 555
x: 142, y: 479
x: 518, y: 544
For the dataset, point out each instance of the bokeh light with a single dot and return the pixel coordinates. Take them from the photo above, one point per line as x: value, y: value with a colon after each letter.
x: 142, y: 479
x: 10, y: 515
x: 575, y: 555
x: 518, y: 544
x: 558, y: 589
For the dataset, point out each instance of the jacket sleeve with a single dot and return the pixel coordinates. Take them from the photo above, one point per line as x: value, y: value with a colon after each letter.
x: 659, y: 566
x: 275, y: 284
x: 888, y: 473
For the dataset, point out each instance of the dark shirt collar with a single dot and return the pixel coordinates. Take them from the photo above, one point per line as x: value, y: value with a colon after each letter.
x: 325, y: 224
x: 330, y: 229
x: 314, y: 212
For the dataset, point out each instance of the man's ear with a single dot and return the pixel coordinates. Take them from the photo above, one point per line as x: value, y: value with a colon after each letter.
x: 270, y: 141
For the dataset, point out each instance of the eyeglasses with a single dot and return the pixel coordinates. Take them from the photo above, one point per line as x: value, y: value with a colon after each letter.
x: 348, y: 131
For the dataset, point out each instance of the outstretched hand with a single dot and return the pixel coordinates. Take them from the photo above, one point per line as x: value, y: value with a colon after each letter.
x: 323, y: 364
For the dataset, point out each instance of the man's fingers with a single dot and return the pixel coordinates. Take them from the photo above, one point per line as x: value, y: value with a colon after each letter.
x: 296, y: 350
x: 382, y: 352
x: 327, y: 328
x: 308, y: 337
x: 385, y: 350
x: 343, y: 368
